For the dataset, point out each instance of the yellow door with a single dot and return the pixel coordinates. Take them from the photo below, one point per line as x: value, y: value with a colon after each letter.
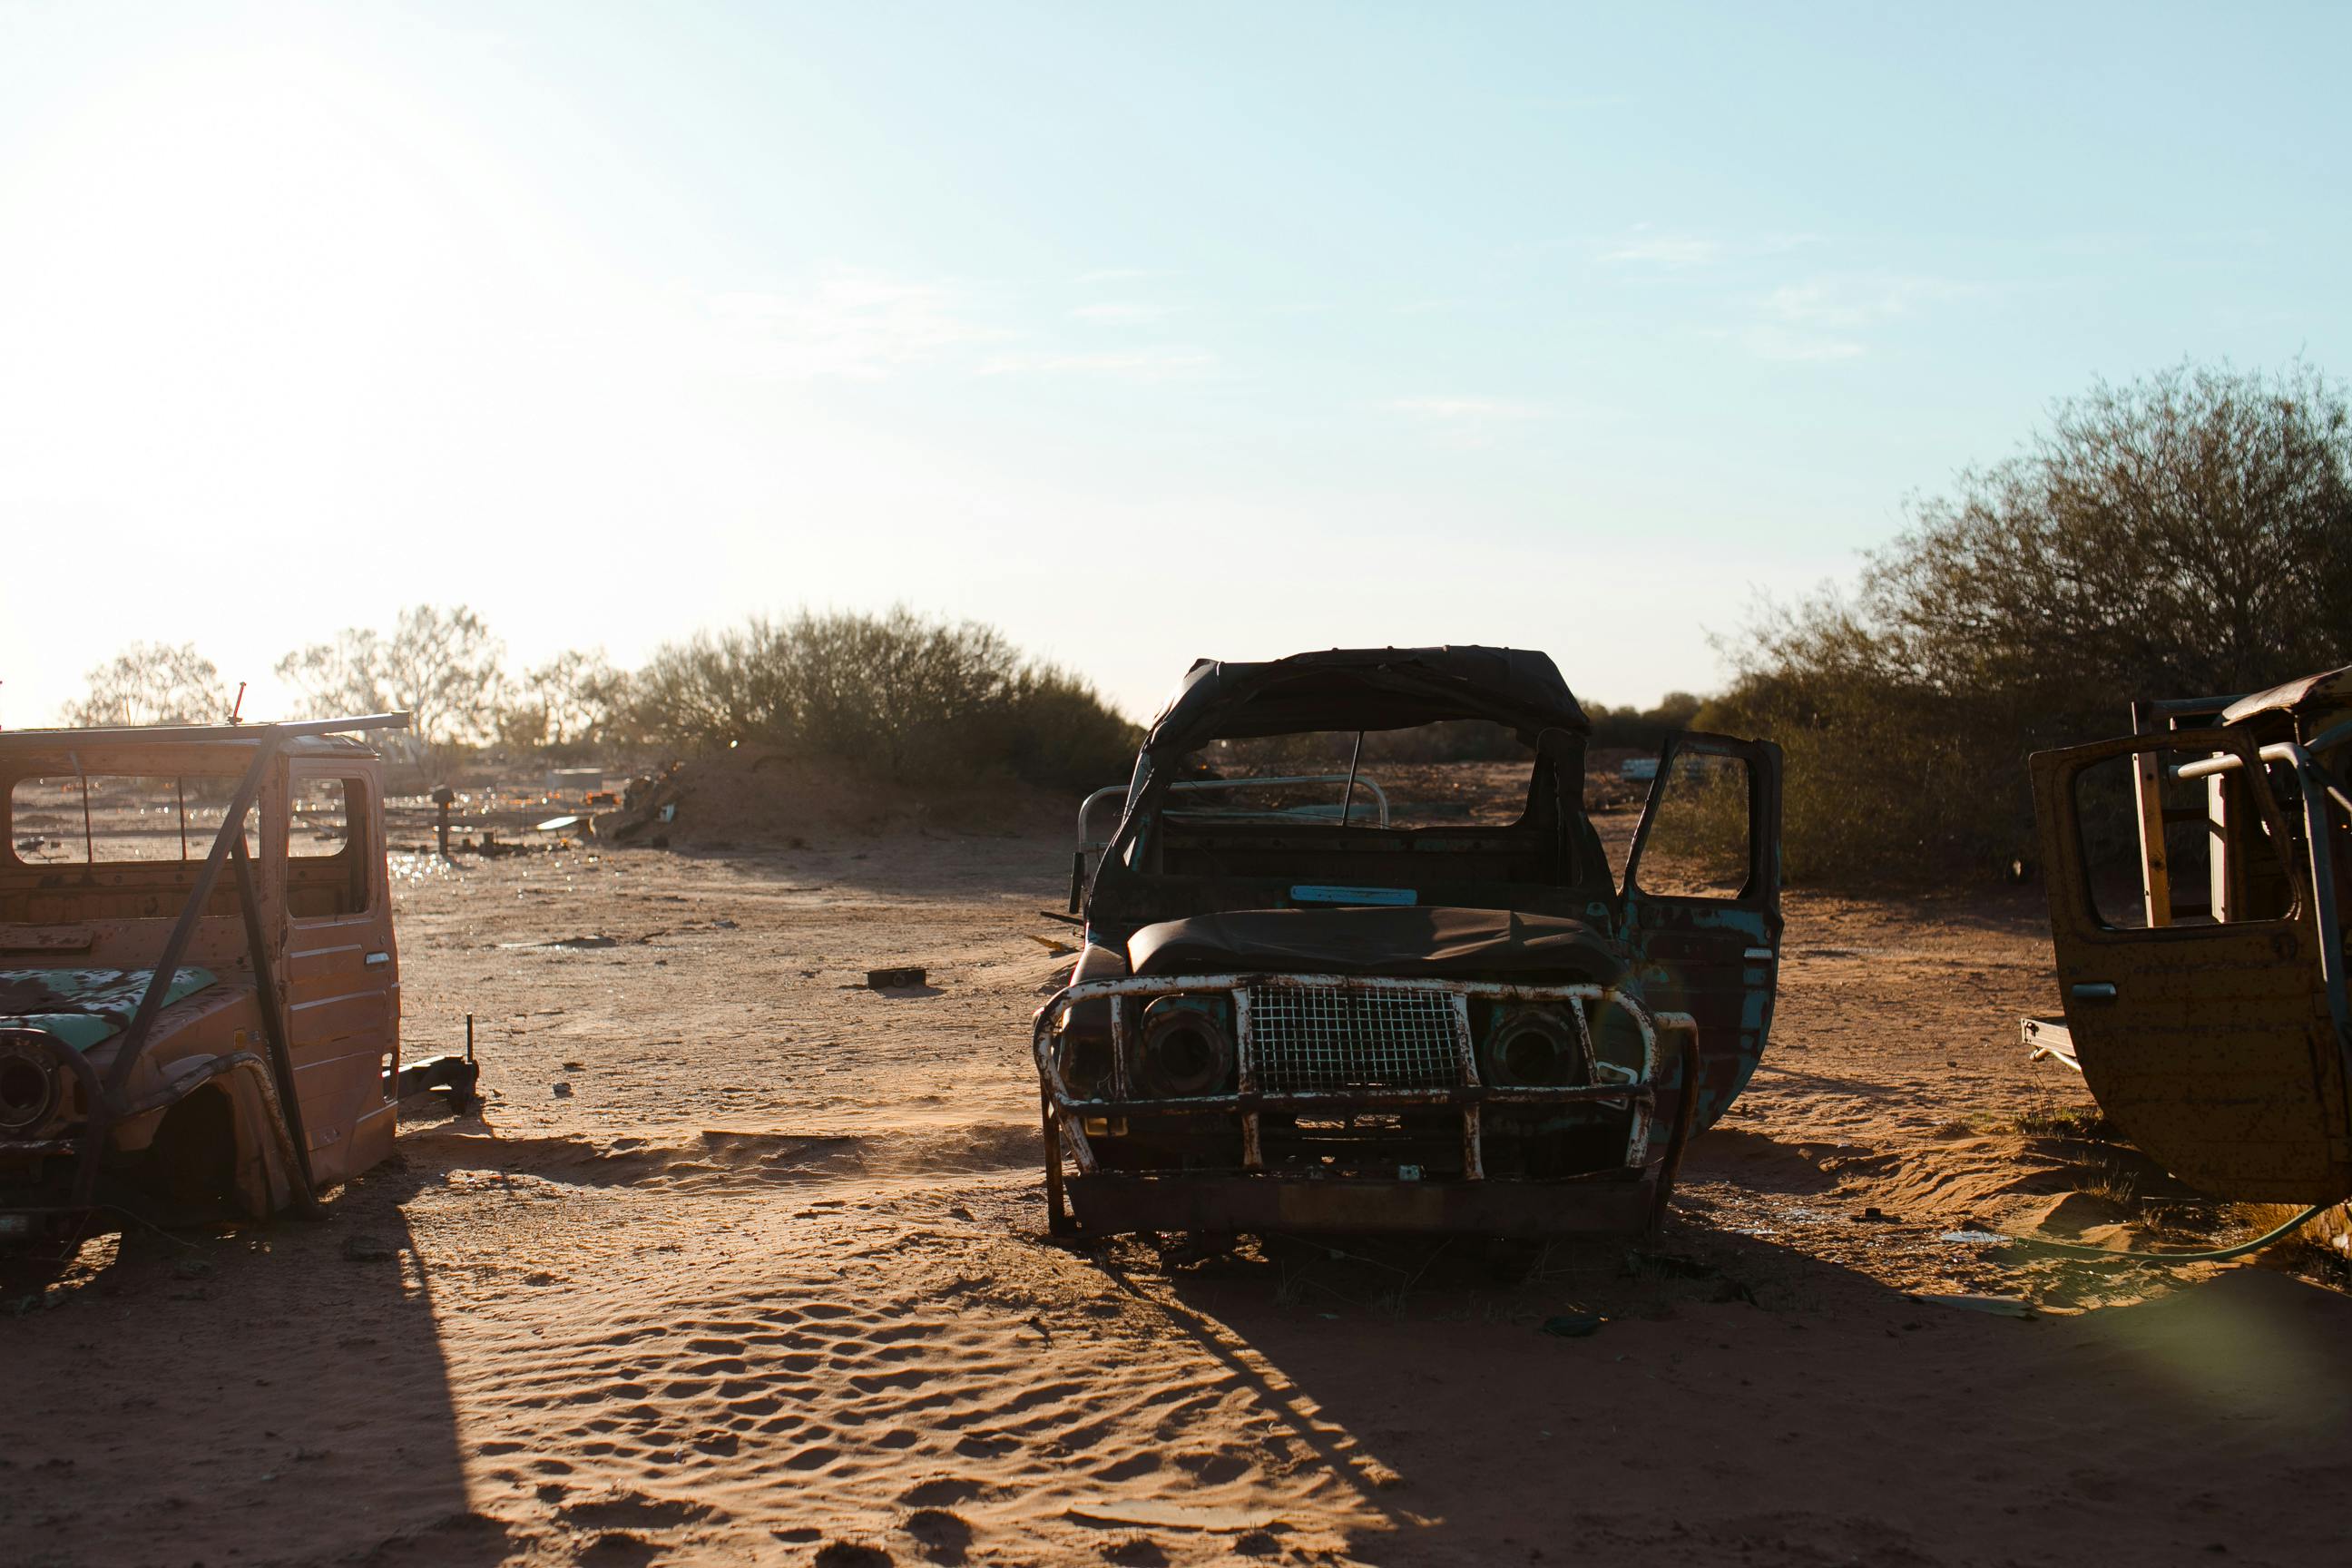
x: 2202, y: 1027
x: 342, y: 971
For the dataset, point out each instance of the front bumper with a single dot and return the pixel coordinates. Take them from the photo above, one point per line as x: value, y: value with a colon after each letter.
x: 1622, y: 1198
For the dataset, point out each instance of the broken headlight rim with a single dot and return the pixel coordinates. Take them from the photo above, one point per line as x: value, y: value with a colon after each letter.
x: 1082, y: 1058
x: 29, y: 1090
x: 1184, y: 1049
x: 1532, y: 1046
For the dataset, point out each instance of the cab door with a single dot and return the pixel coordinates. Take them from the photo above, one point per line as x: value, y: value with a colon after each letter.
x: 342, y: 972
x: 2200, y: 1022
x: 1701, y: 902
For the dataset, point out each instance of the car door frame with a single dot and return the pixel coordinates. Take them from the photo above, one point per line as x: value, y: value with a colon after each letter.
x: 342, y: 976
x: 2189, y: 1135
x: 1737, y: 935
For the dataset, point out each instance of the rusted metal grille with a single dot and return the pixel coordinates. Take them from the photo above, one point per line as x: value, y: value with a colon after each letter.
x: 1309, y: 1038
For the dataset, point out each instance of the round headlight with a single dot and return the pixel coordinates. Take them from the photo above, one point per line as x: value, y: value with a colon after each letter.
x: 1531, y: 1048
x: 1186, y: 1049
x: 28, y: 1087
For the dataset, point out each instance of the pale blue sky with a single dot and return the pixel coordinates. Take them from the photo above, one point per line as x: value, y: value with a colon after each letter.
x: 1140, y: 332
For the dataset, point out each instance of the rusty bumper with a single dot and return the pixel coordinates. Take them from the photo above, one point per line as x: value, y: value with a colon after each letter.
x: 1625, y: 1198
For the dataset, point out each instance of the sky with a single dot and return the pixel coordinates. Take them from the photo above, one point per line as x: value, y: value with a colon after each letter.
x: 1144, y: 334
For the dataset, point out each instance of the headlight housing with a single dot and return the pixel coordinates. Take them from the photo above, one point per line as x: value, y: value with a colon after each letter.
x: 1533, y: 1046
x: 29, y: 1086
x: 1082, y: 1051
x: 1184, y: 1049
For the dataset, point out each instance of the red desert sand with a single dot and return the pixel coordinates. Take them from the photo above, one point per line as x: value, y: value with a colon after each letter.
x: 744, y: 1263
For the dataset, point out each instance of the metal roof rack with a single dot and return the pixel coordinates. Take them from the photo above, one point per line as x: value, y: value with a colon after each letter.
x: 233, y: 734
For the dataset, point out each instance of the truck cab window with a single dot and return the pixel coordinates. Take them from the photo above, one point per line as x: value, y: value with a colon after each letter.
x: 327, y: 870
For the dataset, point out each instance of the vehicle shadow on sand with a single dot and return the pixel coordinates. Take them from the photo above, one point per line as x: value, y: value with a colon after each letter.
x: 257, y: 1393
x: 1725, y: 1398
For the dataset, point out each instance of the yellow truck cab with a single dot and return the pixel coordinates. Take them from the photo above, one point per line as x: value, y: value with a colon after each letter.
x: 199, y: 985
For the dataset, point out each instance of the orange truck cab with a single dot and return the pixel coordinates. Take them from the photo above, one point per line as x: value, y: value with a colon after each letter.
x: 199, y: 986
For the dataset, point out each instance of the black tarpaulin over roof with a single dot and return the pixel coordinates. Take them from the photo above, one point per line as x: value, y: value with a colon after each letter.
x: 1365, y: 689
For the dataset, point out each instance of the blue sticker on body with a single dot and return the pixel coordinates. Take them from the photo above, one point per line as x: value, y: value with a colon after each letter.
x: 1307, y: 893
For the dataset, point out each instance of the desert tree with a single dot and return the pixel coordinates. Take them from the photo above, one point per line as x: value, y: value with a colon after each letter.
x: 153, y: 683
x: 573, y: 700
x: 2187, y: 533
x: 443, y: 666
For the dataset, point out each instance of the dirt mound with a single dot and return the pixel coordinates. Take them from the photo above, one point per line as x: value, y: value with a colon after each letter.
x: 774, y: 798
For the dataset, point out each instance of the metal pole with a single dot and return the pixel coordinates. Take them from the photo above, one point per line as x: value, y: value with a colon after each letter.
x: 88, y: 849
x: 275, y: 1029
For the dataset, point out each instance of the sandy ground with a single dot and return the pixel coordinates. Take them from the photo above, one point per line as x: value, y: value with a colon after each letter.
x: 743, y: 1264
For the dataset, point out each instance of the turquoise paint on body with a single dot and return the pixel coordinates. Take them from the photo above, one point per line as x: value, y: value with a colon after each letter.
x: 85, y: 1007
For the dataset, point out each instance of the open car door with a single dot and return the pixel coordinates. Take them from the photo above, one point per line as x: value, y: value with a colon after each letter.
x: 2192, y: 965
x: 1701, y: 902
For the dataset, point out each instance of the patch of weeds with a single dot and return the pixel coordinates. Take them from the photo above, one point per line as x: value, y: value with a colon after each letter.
x: 2087, y: 1124
x: 2114, y: 1181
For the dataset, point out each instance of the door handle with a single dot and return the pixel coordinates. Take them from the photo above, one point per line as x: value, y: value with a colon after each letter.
x: 2093, y: 991
x: 377, y: 959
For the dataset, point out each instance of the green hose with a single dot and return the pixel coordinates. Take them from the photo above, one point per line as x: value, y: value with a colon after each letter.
x: 2211, y: 1255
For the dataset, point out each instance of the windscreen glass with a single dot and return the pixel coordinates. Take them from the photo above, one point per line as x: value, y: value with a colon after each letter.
x: 1468, y: 773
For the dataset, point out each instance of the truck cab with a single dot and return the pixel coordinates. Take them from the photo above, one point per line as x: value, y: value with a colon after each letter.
x: 199, y: 980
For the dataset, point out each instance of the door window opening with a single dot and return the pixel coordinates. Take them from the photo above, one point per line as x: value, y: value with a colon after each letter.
x: 326, y: 869
x: 2160, y: 850
x: 1698, y: 842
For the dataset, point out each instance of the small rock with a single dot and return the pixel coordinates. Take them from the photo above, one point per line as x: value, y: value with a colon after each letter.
x: 362, y: 1247
x: 192, y: 1269
x: 562, y: 1092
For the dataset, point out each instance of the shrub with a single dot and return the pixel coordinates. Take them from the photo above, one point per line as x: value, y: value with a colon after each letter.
x: 2189, y: 534
x: 900, y: 695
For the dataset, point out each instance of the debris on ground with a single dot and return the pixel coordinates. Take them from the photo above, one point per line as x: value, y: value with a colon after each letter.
x: 894, y: 979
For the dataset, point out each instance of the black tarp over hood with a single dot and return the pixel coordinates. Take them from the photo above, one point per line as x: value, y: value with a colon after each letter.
x: 1364, y: 688
x: 1410, y: 944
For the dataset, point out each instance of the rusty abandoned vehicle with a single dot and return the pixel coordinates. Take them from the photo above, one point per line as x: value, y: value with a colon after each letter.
x: 2197, y: 872
x: 199, y: 989
x: 1304, y: 1004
